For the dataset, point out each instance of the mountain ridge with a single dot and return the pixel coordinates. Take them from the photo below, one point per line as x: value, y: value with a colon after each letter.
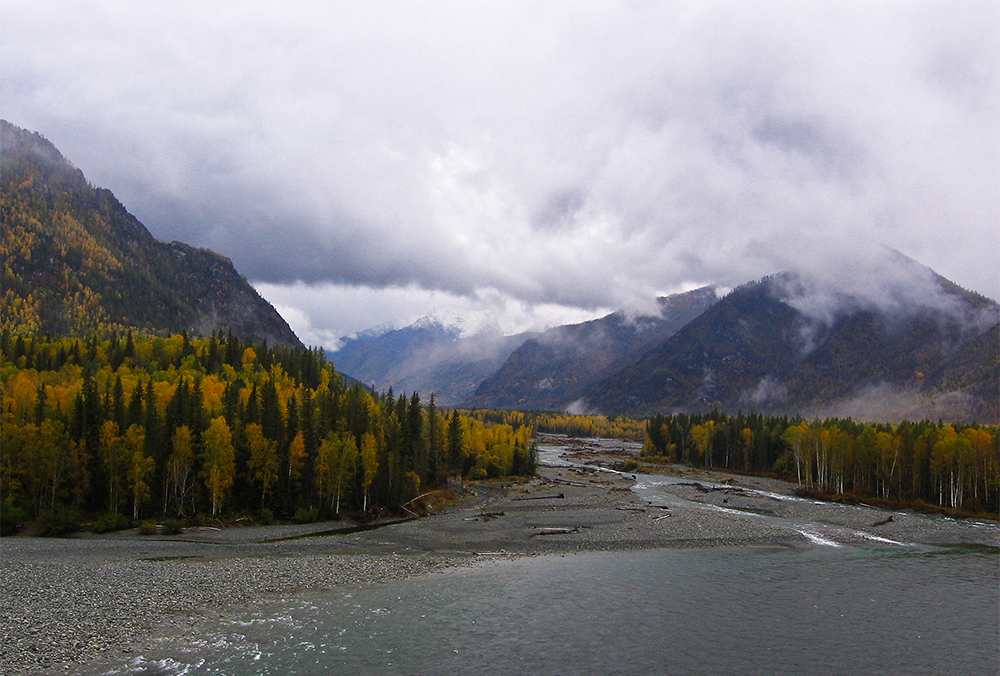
x: 76, y: 261
x: 755, y: 351
x: 553, y: 370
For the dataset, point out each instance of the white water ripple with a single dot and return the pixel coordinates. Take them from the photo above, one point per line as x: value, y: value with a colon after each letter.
x: 819, y: 539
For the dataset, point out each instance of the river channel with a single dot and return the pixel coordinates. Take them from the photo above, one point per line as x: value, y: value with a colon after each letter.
x: 843, y: 604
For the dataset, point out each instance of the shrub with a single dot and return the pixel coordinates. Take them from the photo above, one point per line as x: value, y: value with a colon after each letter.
x: 303, y: 515
x: 173, y: 527
x: 59, y: 522
x: 631, y: 465
x: 11, y: 518
x: 147, y: 527
x: 109, y: 522
x: 265, y: 516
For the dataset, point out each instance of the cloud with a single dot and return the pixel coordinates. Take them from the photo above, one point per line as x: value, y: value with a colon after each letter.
x: 581, y: 156
x: 824, y: 289
x: 768, y: 392
x: 885, y: 402
x: 322, y: 314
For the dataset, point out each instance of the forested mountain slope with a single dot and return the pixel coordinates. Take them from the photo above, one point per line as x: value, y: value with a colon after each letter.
x: 75, y: 261
x: 763, y: 348
x: 552, y: 371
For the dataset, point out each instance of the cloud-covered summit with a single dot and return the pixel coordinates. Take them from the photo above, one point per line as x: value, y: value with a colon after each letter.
x: 540, y: 159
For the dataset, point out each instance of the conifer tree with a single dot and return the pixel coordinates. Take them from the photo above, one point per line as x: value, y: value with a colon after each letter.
x: 435, y: 439
x: 456, y: 451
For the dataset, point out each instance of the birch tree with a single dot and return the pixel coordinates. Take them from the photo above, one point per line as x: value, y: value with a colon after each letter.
x: 219, y: 461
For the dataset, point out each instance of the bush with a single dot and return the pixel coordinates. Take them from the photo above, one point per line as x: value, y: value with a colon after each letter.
x: 631, y: 465
x: 11, y: 518
x: 265, y: 516
x: 147, y: 527
x: 173, y: 527
x: 109, y: 522
x: 303, y: 515
x: 59, y: 522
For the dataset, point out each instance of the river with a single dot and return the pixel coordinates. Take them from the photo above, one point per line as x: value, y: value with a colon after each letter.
x: 831, y: 608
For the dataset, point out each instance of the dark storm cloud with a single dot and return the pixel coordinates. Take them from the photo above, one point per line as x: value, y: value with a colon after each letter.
x: 509, y: 155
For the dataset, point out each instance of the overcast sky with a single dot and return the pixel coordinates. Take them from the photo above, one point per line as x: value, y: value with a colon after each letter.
x: 368, y: 162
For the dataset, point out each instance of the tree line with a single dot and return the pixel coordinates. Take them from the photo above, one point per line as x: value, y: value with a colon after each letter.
x: 950, y: 465
x: 164, y: 427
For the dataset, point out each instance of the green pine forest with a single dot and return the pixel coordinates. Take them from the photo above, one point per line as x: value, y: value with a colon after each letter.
x: 140, y: 426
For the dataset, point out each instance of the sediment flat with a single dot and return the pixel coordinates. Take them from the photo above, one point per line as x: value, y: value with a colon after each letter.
x: 70, y: 603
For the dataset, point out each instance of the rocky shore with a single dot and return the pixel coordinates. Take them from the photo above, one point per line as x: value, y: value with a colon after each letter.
x: 69, y: 604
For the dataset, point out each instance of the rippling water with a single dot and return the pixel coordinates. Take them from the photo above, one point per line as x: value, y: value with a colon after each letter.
x: 820, y: 610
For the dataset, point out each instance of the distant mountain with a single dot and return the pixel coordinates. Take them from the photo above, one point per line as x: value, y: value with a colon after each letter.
x: 779, y: 345
x: 427, y: 357
x: 76, y: 261
x: 554, y: 370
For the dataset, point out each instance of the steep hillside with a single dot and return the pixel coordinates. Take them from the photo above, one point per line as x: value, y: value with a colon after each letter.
x: 426, y: 357
x: 765, y: 348
x: 76, y: 261
x: 552, y: 371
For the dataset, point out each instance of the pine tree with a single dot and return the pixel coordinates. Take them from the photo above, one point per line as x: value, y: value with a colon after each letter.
x: 456, y: 451
x: 435, y: 439
x: 133, y: 416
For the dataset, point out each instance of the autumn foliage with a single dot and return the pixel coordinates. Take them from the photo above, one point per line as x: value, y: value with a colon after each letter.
x: 171, y: 427
x: 948, y: 465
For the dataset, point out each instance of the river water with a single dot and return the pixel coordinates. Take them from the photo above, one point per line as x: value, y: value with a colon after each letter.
x: 817, y: 610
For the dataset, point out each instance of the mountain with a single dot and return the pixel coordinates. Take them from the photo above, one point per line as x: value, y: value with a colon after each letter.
x: 76, y: 261
x: 553, y: 371
x: 919, y: 347
x: 427, y: 356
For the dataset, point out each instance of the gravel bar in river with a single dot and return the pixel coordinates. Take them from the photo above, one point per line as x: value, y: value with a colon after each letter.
x: 69, y: 603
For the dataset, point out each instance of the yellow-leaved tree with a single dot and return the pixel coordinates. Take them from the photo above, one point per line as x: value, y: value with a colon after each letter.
x: 140, y: 466
x: 115, y: 459
x: 179, y: 466
x: 335, y: 461
x: 296, y: 461
x: 264, y: 460
x: 219, y: 461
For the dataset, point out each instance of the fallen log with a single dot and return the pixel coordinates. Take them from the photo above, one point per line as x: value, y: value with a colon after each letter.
x: 578, y: 484
x: 485, y: 516
x: 556, y: 531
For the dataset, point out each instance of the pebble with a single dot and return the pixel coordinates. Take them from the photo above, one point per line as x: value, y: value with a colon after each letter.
x: 107, y: 608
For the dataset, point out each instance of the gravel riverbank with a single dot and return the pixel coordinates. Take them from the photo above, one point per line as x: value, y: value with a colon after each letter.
x: 58, y: 616
x: 70, y: 603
